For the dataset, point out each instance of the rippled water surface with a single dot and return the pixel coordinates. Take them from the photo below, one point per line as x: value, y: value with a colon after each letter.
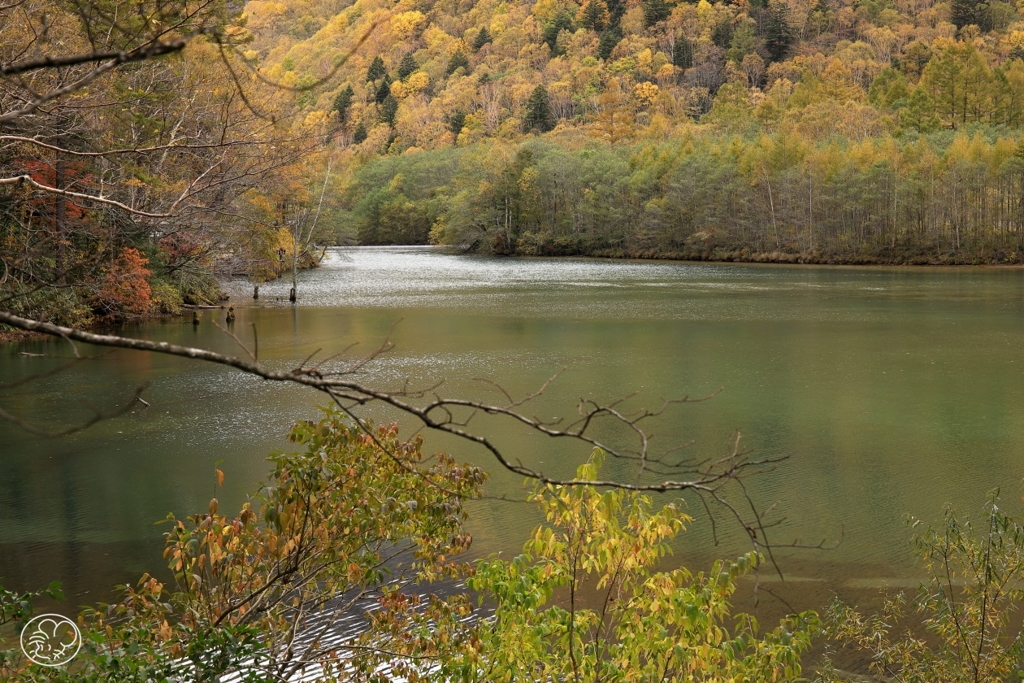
x: 891, y: 391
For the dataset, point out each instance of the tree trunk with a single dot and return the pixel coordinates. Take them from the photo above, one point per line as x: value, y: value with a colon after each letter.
x: 771, y: 202
x: 59, y: 209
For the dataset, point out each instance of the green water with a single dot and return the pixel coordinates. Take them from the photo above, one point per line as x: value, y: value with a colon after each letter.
x: 891, y: 391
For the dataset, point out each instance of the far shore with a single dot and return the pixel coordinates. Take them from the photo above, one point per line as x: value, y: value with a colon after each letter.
x: 738, y: 257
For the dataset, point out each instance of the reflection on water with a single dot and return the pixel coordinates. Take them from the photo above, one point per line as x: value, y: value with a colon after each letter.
x: 891, y: 391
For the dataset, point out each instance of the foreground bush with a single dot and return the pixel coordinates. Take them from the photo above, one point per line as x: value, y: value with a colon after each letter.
x: 963, y: 625
x: 352, y: 516
x: 584, y: 602
x: 357, y: 516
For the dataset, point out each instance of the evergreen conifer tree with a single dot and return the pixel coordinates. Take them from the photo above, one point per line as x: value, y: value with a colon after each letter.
x: 388, y: 109
x: 655, y: 11
x: 682, y: 53
x: 383, y: 90
x: 456, y: 122
x: 722, y: 34
x: 609, y: 39
x: 458, y: 60
x: 967, y: 12
x: 593, y: 15
x: 538, y: 111
x: 561, y: 22
x: 778, y: 34
x: 961, y: 13
x: 616, y: 8
x: 407, y: 66
x: 482, y: 38
x: 359, y: 134
x: 342, y: 101
x: 376, y: 70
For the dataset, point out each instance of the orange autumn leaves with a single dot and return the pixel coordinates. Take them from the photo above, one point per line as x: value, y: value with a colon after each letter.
x: 125, y: 290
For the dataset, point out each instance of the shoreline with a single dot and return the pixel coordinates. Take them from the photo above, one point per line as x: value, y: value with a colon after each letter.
x: 745, y: 256
x: 15, y: 336
x: 738, y: 257
x: 886, y: 257
x: 769, y: 259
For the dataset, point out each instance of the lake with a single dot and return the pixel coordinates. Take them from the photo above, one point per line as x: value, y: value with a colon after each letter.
x: 891, y: 391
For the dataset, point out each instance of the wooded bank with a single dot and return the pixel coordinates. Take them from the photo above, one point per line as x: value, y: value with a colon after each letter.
x: 939, y: 199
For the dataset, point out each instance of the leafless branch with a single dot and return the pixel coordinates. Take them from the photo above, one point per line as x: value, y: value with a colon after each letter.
x: 435, y: 413
x: 110, y: 61
x: 715, y: 481
x: 138, y: 150
x: 28, y: 180
x: 113, y: 58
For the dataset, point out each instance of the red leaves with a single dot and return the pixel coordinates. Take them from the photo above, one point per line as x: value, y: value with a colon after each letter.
x: 70, y: 176
x: 125, y: 291
x: 180, y: 248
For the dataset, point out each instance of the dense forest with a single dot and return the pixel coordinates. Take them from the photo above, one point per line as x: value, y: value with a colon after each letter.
x: 872, y: 131
x: 815, y: 131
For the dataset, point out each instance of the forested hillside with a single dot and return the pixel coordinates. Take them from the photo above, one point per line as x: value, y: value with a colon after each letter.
x: 865, y: 131
x: 221, y: 139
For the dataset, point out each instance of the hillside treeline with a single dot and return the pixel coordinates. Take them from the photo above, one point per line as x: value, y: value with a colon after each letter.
x: 940, y: 198
x: 836, y: 129
x: 843, y: 130
x: 433, y: 75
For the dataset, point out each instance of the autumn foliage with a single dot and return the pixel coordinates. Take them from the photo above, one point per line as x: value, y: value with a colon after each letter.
x: 102, y: 162
x: 853, y: 131
x: 350, y: 519
x: 125, y: 291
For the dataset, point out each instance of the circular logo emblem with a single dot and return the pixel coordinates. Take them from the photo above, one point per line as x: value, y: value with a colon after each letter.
x: 51, y: 640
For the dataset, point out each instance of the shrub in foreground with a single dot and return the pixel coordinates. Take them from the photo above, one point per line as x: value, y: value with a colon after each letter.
x: 963, y: 625
x: 584, y: 602
x: 355, y: 515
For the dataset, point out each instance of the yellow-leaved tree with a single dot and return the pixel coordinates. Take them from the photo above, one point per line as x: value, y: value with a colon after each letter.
x: 584, y: 602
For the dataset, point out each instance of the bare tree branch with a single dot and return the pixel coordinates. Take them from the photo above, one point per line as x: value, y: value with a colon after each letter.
x: 28, y: 180
x: 141, y: 53
x: 138, y: 150
x: 714, y: 481
x: 116, y: 58
x: 435, y: 414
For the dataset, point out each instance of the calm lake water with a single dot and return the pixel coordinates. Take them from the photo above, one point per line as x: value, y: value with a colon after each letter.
x: 891, y: 392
